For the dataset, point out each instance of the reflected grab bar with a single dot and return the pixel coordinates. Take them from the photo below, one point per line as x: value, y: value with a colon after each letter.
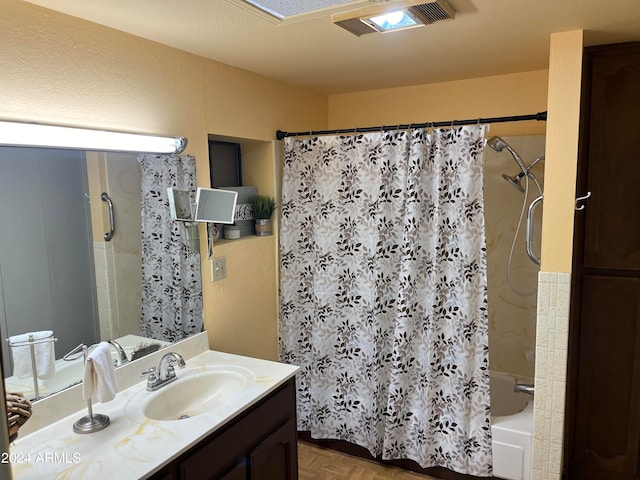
x: 529, y: 232
x: 112, y: 224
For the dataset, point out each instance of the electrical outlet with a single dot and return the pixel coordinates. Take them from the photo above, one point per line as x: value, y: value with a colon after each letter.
x: 218, y: 269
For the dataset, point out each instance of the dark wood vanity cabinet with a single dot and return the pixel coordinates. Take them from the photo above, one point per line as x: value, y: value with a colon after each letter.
x: 259, y: 444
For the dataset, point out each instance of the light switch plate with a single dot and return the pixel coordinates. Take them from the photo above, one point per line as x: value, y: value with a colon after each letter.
x: 218, y: 269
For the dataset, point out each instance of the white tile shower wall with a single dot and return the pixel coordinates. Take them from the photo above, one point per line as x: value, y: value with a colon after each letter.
x: 550, y: 375
x: 105, y: 289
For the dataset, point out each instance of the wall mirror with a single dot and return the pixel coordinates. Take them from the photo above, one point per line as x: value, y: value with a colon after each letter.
x: 215, y: 205
x: 57, y: 271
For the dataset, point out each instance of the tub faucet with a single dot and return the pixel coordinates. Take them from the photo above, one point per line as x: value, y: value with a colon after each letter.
x: 524, y: 388
x: 165, y: 373
x: 121, y: 352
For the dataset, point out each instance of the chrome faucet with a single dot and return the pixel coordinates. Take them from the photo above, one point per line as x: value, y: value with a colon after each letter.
x: 165, y: 373
x: 121, y: 352
x: 523, y: 388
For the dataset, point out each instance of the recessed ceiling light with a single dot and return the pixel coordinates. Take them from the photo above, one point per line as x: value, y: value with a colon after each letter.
x: 397, y: 20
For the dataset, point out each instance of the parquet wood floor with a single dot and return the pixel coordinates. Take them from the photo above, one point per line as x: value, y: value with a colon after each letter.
x: 316, y: 463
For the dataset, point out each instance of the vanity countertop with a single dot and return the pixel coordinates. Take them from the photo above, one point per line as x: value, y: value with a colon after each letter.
x: 130, y: 447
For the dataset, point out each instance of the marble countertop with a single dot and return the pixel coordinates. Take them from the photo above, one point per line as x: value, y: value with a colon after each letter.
x: 131, y: 447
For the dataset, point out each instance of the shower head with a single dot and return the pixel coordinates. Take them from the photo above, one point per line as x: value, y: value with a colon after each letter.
x: 498, y: 144
x: 515, y: 181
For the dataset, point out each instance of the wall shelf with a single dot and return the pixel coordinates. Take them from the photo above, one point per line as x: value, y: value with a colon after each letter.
x: 244, y: 239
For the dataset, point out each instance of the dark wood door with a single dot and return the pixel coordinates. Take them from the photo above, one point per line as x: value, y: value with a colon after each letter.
x: 603, y: 428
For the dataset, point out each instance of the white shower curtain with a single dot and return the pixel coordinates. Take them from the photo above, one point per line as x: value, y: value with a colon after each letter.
x: 171, y: 283
x: 383, y: 293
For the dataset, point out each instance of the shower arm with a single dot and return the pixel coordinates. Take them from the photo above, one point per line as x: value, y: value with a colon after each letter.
x: 535, y: 162
x: 535, y: 180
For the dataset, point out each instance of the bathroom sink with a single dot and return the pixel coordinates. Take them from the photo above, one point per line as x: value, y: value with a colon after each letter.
x: 195, y: 392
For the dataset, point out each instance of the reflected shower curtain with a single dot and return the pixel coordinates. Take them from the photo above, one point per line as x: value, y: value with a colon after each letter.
x: 383, y: 293
x: 171, y: 283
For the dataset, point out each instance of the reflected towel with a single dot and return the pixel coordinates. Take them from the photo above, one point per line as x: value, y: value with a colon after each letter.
x: 99, y: 382
x: 44, y: 353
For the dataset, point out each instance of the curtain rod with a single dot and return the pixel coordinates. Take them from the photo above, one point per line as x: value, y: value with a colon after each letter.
x: 540, y: 116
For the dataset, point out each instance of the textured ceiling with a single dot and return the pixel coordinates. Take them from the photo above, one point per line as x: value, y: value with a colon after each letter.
x: 487, y: 37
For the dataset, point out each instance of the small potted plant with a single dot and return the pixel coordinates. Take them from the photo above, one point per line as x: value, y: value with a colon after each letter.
x: 262, y: 207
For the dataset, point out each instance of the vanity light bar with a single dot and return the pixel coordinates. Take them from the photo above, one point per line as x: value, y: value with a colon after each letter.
x: 51, y: 136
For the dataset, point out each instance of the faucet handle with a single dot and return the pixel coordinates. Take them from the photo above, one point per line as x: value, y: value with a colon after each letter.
x: 152, y: 374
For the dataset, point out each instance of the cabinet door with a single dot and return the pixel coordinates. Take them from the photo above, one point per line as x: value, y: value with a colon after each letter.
x: 238, y: 472
x: 608, y: 397
x: 276, y: 457
x: 612, y: 227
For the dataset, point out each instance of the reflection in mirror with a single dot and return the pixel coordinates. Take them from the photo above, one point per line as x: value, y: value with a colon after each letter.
x: 57, y: 272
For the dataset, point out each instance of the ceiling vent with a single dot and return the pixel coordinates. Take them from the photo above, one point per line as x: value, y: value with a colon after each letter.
x: 359, y: 22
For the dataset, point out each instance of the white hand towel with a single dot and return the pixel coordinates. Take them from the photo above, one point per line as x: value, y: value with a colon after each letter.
x: 99, y: 382
x: 44, y: 353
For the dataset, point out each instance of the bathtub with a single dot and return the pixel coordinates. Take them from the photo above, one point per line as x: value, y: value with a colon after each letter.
x: 511, y: 428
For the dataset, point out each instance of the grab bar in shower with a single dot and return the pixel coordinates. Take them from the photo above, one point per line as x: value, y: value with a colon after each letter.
x: 112, y: 224
x: 529, y: 231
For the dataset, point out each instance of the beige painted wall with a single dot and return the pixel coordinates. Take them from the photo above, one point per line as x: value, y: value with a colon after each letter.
x: 565, y: 81
x: 515, y: 94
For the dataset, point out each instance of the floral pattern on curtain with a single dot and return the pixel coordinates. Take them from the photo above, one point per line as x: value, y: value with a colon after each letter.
x: 171, y: 281
x: 384, y: 296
